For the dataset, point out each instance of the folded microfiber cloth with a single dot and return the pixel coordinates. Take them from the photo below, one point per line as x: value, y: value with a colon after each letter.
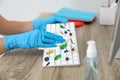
x: 76, y: 14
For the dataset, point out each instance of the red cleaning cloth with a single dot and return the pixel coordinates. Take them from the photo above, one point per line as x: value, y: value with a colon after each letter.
x: 77, y: 23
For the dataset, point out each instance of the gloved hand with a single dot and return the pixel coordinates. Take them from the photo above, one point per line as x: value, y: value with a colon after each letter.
x: 32, y: 39
x: 41, y: 23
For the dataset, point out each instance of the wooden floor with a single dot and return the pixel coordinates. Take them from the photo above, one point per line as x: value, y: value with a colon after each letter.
x: 27, y: 64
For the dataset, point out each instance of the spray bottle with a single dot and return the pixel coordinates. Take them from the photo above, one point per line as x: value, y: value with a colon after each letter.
x: 91, y: 62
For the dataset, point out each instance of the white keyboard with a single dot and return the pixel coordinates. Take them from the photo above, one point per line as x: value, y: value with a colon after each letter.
x: 65, y: 54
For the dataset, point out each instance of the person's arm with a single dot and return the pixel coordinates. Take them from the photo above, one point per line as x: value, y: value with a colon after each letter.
x: 14, y: 27
x: 22, y: 40
x: 2, y: 46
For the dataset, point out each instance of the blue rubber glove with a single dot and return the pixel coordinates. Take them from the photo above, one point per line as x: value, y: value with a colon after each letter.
x: 33, y: 39
x: 41, y: 23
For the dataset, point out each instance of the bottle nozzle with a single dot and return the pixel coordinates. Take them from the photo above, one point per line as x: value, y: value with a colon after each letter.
x: 91, y: 50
